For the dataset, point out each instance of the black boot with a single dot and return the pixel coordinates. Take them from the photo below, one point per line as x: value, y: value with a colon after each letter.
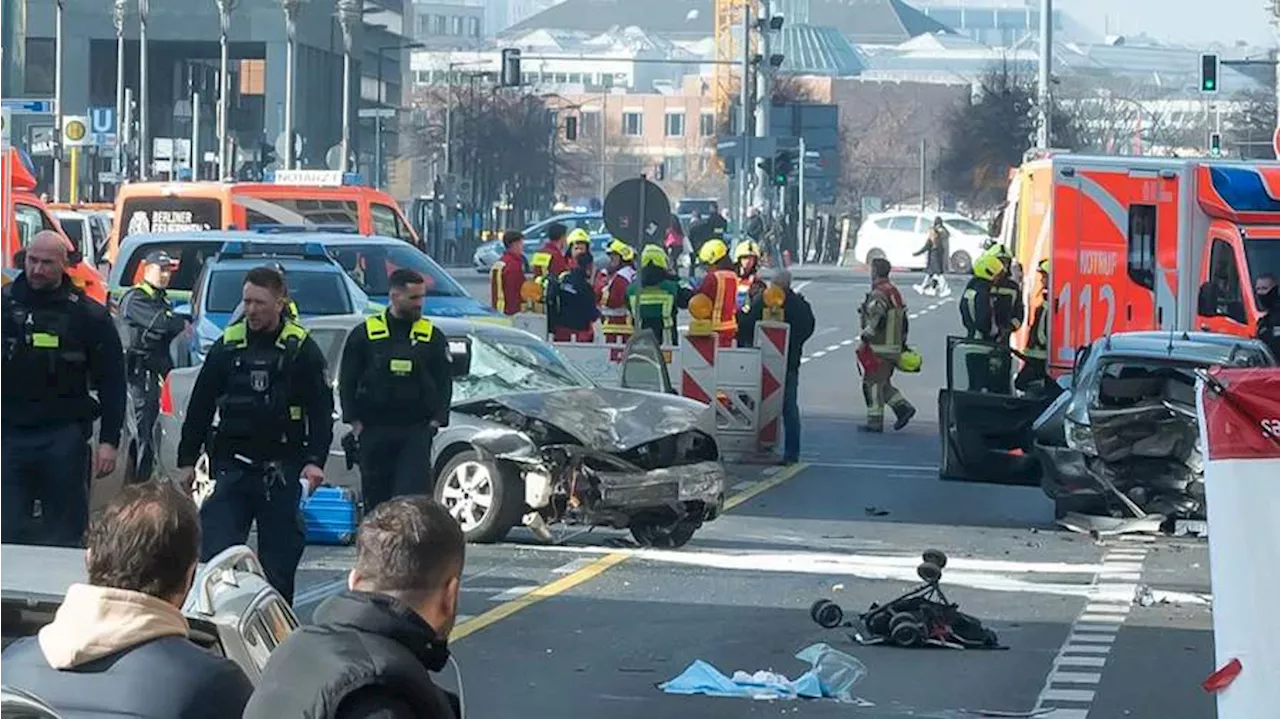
x: 904, y: 417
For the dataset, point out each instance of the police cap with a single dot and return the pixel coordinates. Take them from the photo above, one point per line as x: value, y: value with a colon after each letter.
x: 159, y: 257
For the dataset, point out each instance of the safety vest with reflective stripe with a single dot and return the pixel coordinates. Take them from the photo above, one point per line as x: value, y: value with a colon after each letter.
x: 616, y: 320
x: 375, y: 328
x: 654, y: 297
x: 497, y: 294
x: 1038, y: 342
x: 724, y: 306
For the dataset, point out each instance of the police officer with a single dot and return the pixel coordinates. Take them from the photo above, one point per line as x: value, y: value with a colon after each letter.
x: 1034, y: 372
x: 1267, y: 297
x: 265, y: 377
x: 149, y: 327
x: 57, y: 343
x: 977, y: 315
x: 396, y: 387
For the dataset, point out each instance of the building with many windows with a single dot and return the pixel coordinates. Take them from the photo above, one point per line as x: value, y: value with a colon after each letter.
x: 448, y: 24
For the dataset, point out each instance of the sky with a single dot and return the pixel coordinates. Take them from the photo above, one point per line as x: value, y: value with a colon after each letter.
x: 1196, y: 22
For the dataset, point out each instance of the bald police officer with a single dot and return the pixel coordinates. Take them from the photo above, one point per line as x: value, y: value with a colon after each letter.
x: 58, y: 345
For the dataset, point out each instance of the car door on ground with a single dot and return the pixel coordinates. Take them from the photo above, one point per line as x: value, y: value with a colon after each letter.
x: 986, y: 436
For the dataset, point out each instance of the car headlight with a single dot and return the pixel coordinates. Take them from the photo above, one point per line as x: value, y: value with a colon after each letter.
x: 1080, y: 437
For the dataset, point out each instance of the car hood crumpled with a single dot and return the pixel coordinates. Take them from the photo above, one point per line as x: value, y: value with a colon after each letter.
x: 610, y: 420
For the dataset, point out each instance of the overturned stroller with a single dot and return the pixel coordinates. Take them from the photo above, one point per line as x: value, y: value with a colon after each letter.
x: 921, y: 617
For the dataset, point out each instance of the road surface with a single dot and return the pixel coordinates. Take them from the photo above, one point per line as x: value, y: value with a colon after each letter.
x: 588, y: 628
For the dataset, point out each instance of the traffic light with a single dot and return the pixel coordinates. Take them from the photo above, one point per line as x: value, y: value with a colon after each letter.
x: 661, y: 172
x: 782, y: 165
x: 1209, y: 65
x: 1215, y: 144
x: 571, y: 128
x: 510, y: 67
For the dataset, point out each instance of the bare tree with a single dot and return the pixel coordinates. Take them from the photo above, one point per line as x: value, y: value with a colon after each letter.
x: 872, y: 164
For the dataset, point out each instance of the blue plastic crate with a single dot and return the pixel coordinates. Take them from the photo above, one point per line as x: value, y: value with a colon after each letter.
x: 332, y: 515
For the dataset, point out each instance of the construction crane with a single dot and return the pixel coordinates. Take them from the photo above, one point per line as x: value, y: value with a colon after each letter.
x: 729, y: 50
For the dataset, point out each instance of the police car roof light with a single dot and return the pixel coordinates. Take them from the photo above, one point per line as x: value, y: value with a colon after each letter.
x: 239, y: 249
x: 275, y: 229
x: 314, y: 178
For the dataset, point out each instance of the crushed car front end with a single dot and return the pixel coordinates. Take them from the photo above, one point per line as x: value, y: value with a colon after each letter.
x: 607, y: 457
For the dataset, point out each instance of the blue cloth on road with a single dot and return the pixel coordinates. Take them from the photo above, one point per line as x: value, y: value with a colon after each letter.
x: 702, y: 678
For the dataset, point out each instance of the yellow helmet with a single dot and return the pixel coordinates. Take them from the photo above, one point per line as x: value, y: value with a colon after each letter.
x: 910, y: 360
x: 1043, y: 266
x: 621, y: 249
x: 998, y: 250
x: 987, y: 266
x: 653, y: 255
x: 712, y: 251
x: 578, y: 235
x: 746, y: 248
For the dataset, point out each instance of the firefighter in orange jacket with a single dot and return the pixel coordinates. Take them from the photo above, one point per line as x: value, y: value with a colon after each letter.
x: 614, y: 308
x: 506, y: 277
x: 720, y: 286
x: 746, y: 257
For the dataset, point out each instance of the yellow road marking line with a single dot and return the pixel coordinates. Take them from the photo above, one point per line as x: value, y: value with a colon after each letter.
x: 599, y: 566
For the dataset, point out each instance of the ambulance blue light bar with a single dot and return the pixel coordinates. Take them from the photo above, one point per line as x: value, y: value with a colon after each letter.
x: 239, y: 249
x: 314, y: 178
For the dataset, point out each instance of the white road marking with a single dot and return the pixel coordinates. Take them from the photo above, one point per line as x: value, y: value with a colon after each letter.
x: 512, y: 593
x: 319, y: 592
x: 571, y: 567
x: 1089, y: 642
x: 849, y: 342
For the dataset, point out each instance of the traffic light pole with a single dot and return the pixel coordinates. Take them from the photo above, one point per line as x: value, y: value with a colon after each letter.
x: 764, y: 105
x: 745, y: 163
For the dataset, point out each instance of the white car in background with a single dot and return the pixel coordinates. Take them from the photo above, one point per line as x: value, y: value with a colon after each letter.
x: 897, y: 235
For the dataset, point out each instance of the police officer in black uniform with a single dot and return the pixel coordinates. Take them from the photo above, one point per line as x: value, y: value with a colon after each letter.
x: 266, y: 380
x: 149, y: 326
x: 58, y: 344
x: 396, y: 387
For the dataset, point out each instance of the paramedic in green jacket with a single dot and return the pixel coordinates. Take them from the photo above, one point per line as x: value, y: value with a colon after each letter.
x: 657, y: 297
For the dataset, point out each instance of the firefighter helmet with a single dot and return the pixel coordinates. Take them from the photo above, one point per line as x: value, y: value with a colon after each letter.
x: 987, y: 266
x: 578, y: 235
x: 746, y: 248
x: 712, y: 251
x: 653, y: 255
x: 621, y: 249
x: 1043, y: 266
x: 910, y: 360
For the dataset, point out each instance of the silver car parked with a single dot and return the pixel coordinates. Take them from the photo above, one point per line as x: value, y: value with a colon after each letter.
x: 532, y: 439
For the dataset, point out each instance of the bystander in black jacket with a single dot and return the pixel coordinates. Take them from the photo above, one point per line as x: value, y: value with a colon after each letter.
x: 365, y: 656
x: 576, y: 299
x: 48, y: 390
x: 796, y: 312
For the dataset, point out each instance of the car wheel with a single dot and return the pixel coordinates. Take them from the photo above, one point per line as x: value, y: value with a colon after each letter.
x: 961, y: 263
x: 485, y: 499
x: 874, y: 254
x: 664, y: 536
x: 203, y: 485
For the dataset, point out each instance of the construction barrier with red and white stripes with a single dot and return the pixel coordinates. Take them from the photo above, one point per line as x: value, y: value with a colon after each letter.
x: 1239, y: 412
x: 745, y: 385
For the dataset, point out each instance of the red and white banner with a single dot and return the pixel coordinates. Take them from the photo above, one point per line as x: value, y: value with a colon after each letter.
x: 1239, y: 414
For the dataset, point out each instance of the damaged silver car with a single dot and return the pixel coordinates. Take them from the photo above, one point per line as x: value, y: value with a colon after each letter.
x: 532, y: 440
x: 1116, y: 447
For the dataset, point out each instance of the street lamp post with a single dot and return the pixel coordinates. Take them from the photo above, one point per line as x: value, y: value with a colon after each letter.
x: 57, y: 98
x: 120, y: 10
x: 349, y: 19
x: 377, y: 127
x: 144, y: 139
x: 291, y: 8
x: 225, y: 8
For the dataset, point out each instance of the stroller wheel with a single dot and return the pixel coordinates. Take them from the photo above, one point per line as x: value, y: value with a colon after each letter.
x: 827, y: 613
x: 936, y: 557
x: 906, y: 631
x: 929, y: 572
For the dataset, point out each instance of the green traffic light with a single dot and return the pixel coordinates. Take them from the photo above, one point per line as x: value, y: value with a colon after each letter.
x: 1208, y: 84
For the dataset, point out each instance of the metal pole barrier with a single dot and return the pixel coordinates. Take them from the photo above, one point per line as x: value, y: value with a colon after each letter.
x: 118, y: 163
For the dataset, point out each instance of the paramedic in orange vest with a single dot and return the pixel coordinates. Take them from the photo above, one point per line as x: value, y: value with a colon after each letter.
x: 549, y: 261
x: 720, y: 286
x: 506, y: 277
x: 614, y: 309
